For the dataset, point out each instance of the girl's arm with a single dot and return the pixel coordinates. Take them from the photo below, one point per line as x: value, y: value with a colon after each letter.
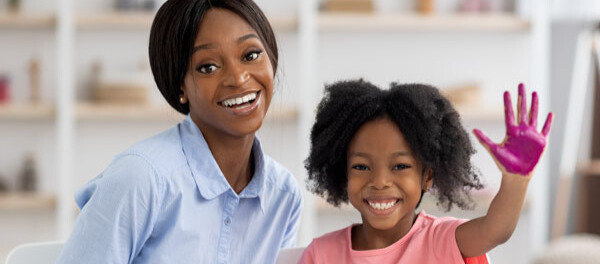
x: 516, y: 157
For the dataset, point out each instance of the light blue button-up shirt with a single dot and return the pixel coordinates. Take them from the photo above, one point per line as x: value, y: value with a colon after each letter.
x: 165, y: 200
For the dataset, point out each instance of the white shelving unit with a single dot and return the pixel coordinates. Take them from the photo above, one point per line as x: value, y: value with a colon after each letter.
x: 312, y: 32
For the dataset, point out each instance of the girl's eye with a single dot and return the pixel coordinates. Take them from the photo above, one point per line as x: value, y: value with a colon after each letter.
x: 360, y: 167
x: 252, y: 55
x: 400, y: 167
x: 207, y: 68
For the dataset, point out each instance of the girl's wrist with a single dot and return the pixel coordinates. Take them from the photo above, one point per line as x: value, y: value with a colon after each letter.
x: 513, y: 179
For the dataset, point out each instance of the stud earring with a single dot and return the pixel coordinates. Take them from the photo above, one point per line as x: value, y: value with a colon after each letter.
x: 182, y: 100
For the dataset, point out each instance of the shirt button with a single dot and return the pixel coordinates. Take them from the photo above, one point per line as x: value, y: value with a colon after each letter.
x: 227, y: 221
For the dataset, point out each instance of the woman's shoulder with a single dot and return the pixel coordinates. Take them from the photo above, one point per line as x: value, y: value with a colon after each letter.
x: 279, y: 176
x: 161, y: 151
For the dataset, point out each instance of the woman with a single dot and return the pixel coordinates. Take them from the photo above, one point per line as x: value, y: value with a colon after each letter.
x: 203, y: 191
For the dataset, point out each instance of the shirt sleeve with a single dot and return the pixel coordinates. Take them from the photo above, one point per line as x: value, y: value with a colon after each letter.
x: 289, y: 239
x: 118, y: 209
x: 443, y: 238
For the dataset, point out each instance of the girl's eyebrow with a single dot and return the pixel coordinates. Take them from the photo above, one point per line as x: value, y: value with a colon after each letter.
x: 402, y: 153
x: 214, y: 46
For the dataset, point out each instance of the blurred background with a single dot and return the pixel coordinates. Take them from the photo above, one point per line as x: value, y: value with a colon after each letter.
x: 76, y: 89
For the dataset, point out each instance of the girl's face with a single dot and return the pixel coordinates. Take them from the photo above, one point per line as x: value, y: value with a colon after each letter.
x: 384, y: 178
x: 229, y: 83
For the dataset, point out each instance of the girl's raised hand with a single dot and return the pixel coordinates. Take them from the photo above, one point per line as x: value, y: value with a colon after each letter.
x: 523, y: 145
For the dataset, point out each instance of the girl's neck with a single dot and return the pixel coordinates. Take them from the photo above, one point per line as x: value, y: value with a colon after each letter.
x: 234, y: 157
x: 365, y: 237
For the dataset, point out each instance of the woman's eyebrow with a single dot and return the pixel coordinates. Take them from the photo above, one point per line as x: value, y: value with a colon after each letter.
x: 214, y: 46
x: 246, y: 37
x: 205, y: 46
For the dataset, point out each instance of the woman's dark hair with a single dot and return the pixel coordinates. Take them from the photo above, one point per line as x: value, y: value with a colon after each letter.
x: 173, y: 34
x: 427, y: 120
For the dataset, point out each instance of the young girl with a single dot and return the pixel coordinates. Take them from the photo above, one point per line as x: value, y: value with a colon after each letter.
x: 381, y: 150
x: 203, y: 191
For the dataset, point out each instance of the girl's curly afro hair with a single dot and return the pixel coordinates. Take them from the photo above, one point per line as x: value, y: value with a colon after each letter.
x: 427, y: 120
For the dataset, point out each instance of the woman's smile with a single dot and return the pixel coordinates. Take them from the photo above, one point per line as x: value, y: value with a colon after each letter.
x: 243, y: 104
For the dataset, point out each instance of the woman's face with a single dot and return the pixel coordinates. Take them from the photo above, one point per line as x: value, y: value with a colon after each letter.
x: 384, y: 178
x: 229, y: 81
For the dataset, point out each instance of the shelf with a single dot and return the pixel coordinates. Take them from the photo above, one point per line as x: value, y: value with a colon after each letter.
x: 26, y: 111
x: 95, y: 112
x: 115, y: 20
x: 26, y: 201
x: 143, y: 20
x: 87, y: 111
x: 480, y: 113
x: 329, y: 21
x: 283, y: 23
x: 591, y: 168
x: 27, y: 21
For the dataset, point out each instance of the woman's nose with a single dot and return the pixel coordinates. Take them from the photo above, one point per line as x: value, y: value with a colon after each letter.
x: 236, y: 75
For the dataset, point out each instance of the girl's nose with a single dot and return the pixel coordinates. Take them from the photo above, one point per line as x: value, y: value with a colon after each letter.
x: 381, y: 179
x: 236, y: 75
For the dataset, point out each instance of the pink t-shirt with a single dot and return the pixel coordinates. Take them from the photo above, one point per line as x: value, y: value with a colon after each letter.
x: 429, y: 240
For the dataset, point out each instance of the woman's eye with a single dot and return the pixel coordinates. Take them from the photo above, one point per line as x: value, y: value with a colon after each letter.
x: 253, y: 55
x: 360, y: 167
x: 401, y: 167
x: 207, y: 68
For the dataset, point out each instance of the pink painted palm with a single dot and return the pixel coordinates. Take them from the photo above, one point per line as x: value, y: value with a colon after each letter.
x: 523, y: 145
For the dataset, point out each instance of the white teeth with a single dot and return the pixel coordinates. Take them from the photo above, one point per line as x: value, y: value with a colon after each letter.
x: 239, y: 100
x: 382, y: 206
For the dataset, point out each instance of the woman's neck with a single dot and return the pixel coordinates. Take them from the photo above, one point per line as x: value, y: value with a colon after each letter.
x: 366, y: 237
x: 234, y: 157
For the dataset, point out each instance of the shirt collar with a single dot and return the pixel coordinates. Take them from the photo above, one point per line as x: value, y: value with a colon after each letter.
x: 209, y: 178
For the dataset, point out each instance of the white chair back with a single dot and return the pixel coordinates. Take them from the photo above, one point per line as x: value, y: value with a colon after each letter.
x: 35, y: 253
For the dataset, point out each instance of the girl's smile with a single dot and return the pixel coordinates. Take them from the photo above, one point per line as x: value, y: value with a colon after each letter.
x: 382, y: 206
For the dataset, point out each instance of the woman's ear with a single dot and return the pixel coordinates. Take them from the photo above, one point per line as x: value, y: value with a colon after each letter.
x: 182, y: 97
x: 427, y: 180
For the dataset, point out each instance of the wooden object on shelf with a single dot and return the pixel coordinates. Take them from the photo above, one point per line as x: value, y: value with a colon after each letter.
x: 364, y: 6
x: 120, y: 93
x: 26, y: 201
x: 34, y: 80
x: 425, y: 7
